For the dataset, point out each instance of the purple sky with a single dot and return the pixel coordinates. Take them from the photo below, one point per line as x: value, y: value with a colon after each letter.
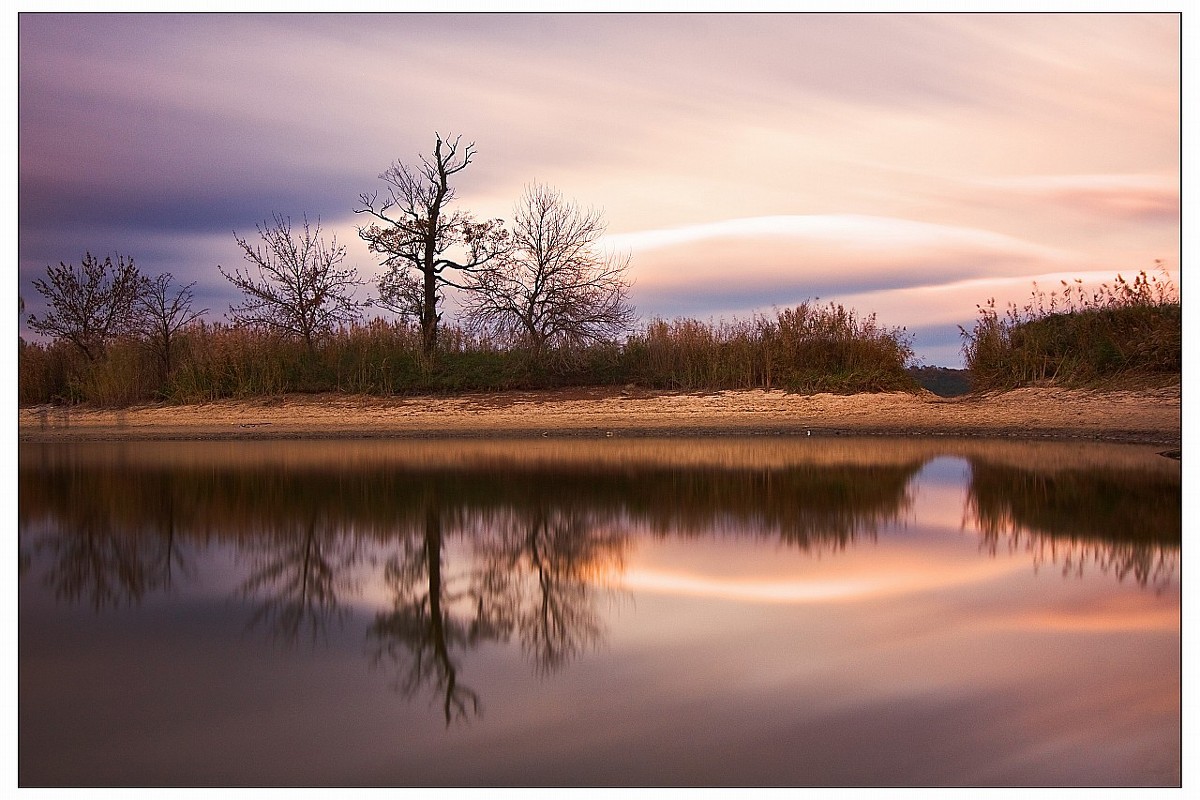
x: 909, y: 165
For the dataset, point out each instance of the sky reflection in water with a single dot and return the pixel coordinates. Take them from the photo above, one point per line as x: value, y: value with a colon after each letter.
x: 754, y: 612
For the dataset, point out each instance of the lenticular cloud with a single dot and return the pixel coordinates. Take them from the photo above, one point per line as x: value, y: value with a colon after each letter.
x: 850, y: 250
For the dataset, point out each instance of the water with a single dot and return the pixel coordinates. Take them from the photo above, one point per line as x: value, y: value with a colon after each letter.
x: 759, y: 612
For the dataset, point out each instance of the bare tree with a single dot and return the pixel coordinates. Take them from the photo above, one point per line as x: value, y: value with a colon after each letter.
x: 555, y: 287
x: 164, y: 313
x: 422, y: 243
x: 296, y: 284
x: 91, y: 304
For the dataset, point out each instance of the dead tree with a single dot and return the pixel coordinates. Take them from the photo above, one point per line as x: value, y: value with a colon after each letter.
x: 424, y: 246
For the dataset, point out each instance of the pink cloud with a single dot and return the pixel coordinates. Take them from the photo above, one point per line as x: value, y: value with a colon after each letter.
x: 1123, y: 197
x: 821, y: 250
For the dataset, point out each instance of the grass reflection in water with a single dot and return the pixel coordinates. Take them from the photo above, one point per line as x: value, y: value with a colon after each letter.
x: 1128, y: 523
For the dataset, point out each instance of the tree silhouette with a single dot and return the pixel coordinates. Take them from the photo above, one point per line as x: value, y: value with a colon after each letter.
x: 164, y: 313
x: 295, y: 285
x: 555, y: 287
x: 422, y: 243
x: 90, y: 304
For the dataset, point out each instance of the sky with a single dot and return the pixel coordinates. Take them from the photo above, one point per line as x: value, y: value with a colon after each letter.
x: 906, y: 165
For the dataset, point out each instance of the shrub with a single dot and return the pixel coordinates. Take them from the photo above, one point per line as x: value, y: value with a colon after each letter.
x: 1121, y: 333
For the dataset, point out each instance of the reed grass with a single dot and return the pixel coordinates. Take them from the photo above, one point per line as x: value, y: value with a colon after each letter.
x: 1122, y: 334
x: 808, y: 348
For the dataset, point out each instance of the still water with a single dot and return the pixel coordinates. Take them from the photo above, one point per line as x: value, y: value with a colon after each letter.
x: 782, y: 612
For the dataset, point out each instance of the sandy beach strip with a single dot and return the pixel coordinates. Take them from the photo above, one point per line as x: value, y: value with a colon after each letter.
x: 1148, y: 416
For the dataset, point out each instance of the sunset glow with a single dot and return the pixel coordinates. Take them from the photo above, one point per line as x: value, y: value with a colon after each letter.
x: 860, y: 586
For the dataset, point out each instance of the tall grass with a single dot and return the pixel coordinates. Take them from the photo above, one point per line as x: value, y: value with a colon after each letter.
x: 1122, y: 333
x: 808, y: 348
x: 59, y: 372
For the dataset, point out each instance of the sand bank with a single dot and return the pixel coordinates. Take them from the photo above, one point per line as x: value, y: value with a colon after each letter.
x: 1150, y: 416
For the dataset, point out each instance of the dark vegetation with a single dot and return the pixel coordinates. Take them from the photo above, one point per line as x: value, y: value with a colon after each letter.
x: 942, y: 381
x: 543, y: 307
x: 808, y: 348
x: 1121, y: 334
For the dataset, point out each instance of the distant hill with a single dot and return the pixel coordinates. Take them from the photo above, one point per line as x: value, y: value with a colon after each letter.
x: 943, y: 381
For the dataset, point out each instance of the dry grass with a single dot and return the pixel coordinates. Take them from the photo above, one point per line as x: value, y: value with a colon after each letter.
x: 806, y: 348
x: 1121, y: 334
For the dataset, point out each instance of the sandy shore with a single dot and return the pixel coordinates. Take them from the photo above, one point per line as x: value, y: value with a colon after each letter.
x: 1152, y: 416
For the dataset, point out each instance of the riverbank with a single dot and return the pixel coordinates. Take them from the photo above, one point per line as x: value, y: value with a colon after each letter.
x: 1147, y: 416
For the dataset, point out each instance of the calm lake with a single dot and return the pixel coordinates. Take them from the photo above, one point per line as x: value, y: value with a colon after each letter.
x: 758, y: 612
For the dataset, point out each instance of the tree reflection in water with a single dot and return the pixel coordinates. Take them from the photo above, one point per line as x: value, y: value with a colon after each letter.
x: 532, y: 575
x: 431, y: 615
x: 109, y: 561
x: 546, y: 565
x: 106, y: 567
x: 506, y: 550
x: 299, y: 580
